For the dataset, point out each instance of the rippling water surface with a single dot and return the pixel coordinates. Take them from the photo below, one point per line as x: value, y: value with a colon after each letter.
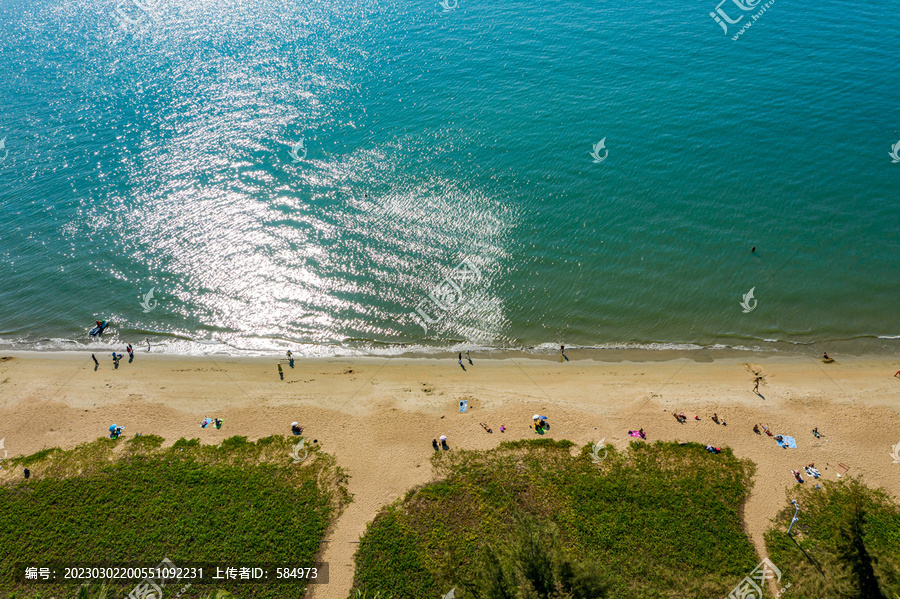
x: 340, y: 177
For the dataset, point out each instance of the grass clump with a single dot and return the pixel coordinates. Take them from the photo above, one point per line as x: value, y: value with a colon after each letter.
x: 135, y: 502
x: 845, y: 544
x: 531, y: 520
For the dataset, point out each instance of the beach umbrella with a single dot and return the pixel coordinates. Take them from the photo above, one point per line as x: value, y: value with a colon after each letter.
x: 295, y: 424
x: 112, y: 428
x: 535, y: 417
x: 443, y: 437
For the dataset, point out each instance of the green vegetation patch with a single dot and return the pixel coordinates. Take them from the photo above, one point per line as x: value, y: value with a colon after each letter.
x: 530, y: 519
x: 844, y: 545
x: 119, y: 502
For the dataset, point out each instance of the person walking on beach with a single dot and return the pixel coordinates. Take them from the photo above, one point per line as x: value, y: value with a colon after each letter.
x: 756, y: 386
x: 468, y: 358
x: 129, y: 350
x: 460, y: 358
x: 280, y: 372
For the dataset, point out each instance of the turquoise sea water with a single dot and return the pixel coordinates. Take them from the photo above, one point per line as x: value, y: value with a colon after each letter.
x: 156, y: 156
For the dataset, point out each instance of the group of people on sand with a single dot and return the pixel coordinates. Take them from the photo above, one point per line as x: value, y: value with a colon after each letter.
x: 217, y: 422
x: 680, y: 417
x: 115, y: 431
x: 116, y: 357
x: 811, y: 470
x: 764, y: 427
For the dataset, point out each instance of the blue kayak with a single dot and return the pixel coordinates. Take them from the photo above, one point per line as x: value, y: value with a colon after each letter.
x: 98, y: 330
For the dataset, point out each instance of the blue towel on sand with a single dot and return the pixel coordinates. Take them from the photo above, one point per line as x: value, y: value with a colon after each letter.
x: 787, y: 442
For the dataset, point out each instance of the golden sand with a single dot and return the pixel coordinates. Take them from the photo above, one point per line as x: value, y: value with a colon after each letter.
x: 379, y: 415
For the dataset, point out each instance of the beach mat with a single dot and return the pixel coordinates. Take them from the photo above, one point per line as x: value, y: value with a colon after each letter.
x: 787, y: 442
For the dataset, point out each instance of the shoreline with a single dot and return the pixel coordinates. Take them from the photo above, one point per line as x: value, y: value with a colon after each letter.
x: 858, y: 346
x: 378, y: 415
x: 547, y: 352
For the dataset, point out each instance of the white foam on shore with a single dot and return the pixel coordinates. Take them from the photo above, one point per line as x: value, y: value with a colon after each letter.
x: 265, y: 347
x: 206, y: 347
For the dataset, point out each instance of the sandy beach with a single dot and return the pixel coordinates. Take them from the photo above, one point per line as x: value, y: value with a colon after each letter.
x: 379, y: 415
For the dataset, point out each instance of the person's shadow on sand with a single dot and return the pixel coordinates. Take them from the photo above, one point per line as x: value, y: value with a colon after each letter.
x: 130, y: 358
x: 96, y: 366
x: 461, y: 365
